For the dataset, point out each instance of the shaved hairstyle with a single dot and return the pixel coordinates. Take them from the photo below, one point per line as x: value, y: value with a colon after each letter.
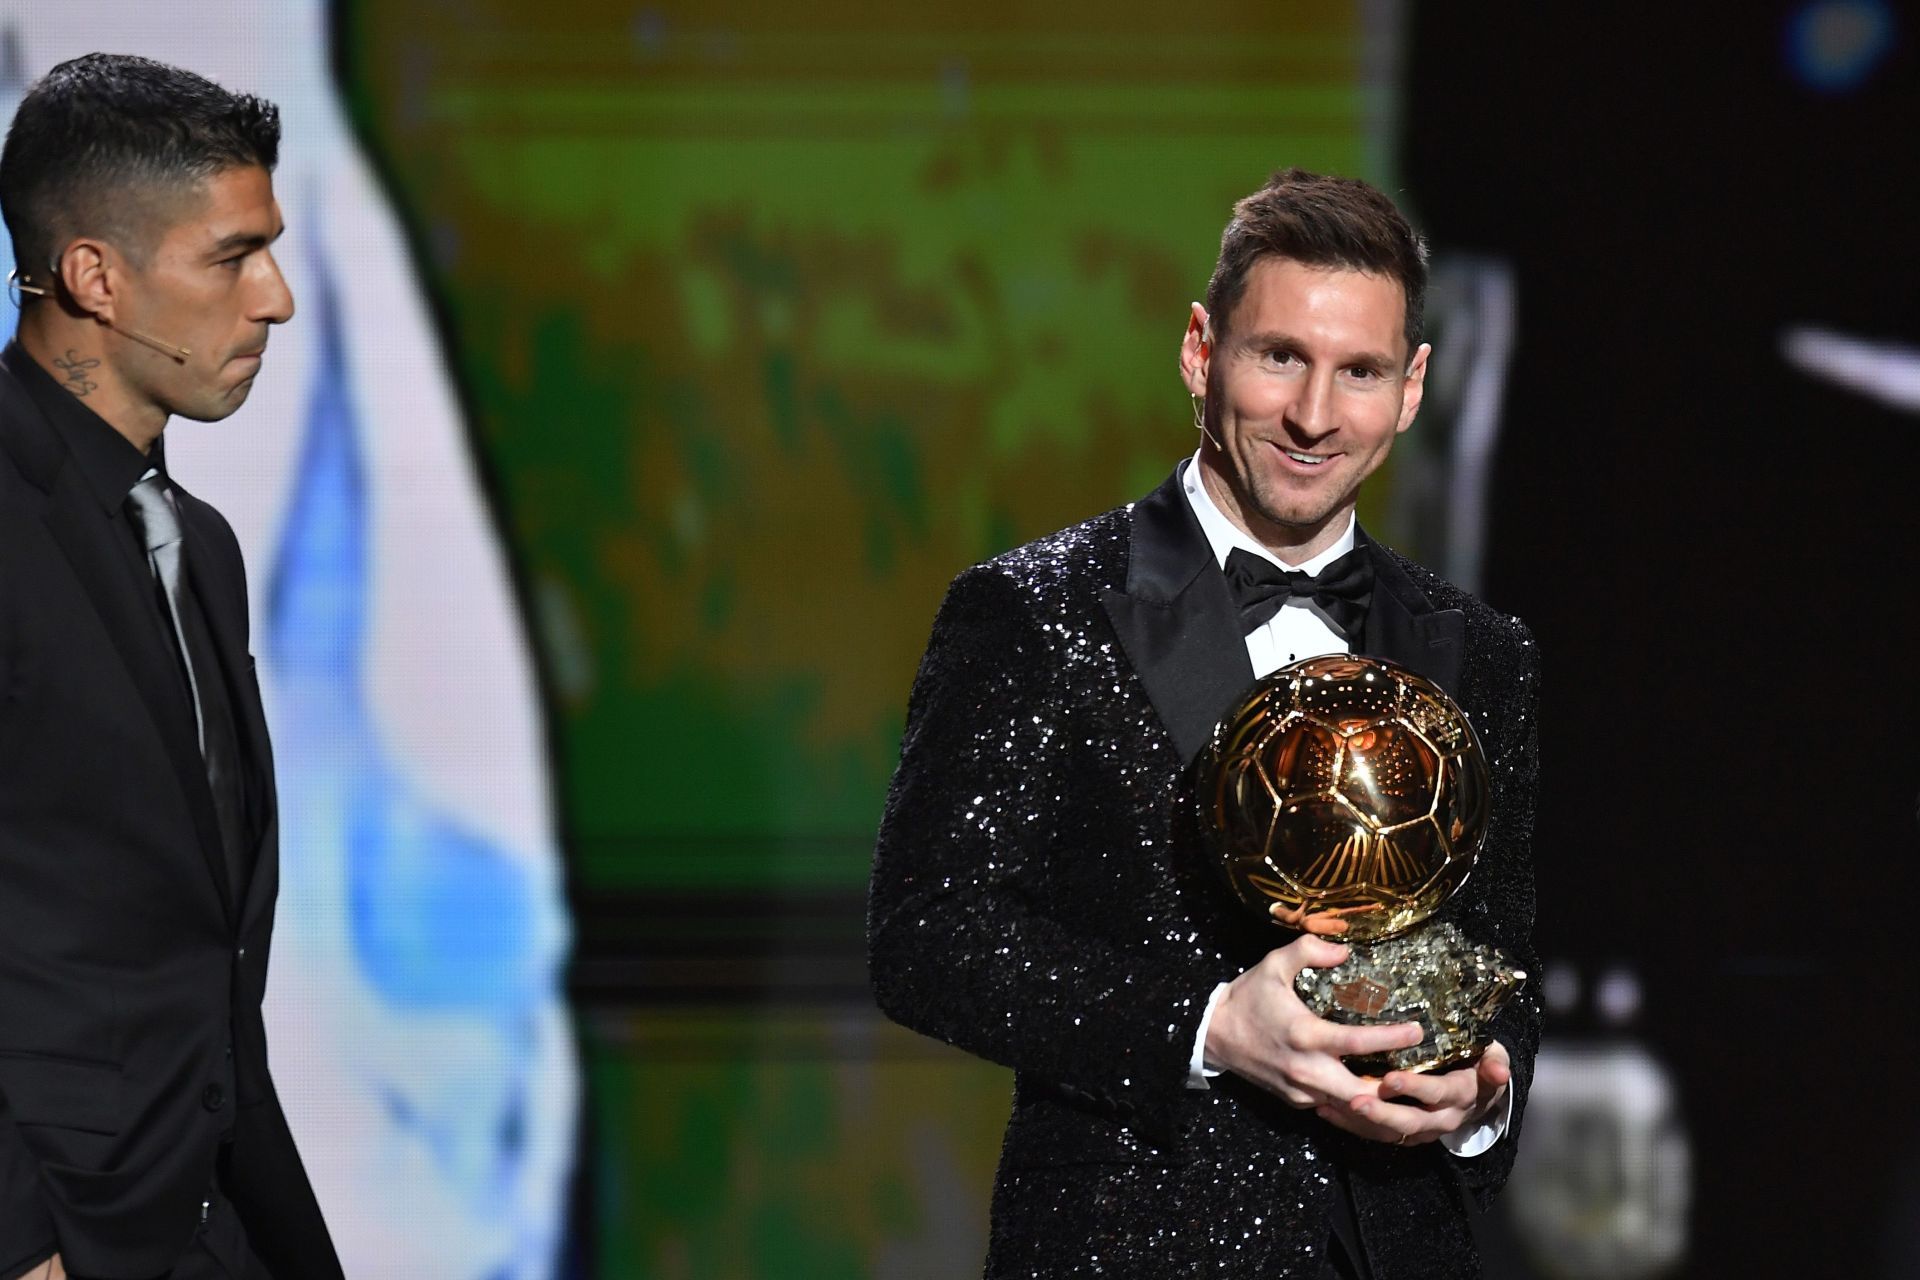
x: 111, y: 145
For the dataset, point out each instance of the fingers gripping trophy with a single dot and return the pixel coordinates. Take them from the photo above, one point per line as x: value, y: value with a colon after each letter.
x: 1348, y: 797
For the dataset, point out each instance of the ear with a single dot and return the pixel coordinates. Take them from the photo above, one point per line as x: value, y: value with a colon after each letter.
x: 1414, y: 388
x: 1196, y: 352
x: 87, y: 268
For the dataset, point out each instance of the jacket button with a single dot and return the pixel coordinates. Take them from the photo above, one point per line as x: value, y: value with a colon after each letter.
x: 212, y: 1097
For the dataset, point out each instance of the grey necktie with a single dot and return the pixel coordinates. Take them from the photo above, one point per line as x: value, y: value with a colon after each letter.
x: 151, y: 508
x: 159, y: 526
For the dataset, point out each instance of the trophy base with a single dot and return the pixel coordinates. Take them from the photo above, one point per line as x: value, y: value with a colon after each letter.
x: 1433, y: 976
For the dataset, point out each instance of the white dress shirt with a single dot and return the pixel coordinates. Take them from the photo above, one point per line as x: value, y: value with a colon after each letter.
x: 1298, y: 631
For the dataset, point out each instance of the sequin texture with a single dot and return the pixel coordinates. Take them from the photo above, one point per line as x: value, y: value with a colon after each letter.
x: 1041, y: 898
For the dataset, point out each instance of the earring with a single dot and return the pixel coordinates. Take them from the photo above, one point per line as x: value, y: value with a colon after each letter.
x: 1200, y: 423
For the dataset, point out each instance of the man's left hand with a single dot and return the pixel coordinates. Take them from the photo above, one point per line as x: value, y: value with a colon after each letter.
x: 1440, y: 1104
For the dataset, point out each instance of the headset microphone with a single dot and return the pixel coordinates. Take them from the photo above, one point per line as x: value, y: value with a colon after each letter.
x: 178, y: 354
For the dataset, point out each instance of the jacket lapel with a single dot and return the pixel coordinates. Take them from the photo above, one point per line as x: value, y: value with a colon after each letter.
x: 222, y: 594
x: 101, y: 552
x: 129, y: 608
x: 1177, y: 622
x: 1404, y: 627
x: 1179, y: 626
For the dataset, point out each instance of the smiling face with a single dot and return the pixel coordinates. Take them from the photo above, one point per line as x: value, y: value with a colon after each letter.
x: 1305, y: 391
x: 209, y: 284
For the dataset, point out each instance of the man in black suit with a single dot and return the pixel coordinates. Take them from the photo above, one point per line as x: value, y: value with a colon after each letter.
x: 1040, y: 896
x: 139, y: 1130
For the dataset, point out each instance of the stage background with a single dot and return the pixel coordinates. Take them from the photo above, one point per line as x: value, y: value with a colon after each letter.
x: 658, y: 365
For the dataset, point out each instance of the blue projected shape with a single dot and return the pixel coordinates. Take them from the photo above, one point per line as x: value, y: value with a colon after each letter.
x: 1835, y: 46
x: 440, y: 919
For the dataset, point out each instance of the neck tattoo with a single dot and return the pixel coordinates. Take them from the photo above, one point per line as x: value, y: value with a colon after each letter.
x: 78, y: 370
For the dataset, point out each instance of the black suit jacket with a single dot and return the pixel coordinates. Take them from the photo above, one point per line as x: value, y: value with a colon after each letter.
x: 1040, y: 897
x: 131, y: 975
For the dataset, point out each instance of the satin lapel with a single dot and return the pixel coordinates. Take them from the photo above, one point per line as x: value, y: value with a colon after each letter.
x: 222, y: 593
x: 129, y: 608
x: 1177, y: 621
x: 1404, y: 627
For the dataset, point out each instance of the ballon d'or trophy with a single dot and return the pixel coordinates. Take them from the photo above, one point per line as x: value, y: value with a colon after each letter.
x: 1347, y: 797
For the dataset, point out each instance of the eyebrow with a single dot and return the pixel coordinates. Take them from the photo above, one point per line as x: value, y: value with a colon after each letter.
x: 1370, y: 359
x: 244, y: 240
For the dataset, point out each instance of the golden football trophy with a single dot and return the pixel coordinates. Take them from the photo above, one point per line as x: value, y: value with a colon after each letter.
x: 1346, y: 796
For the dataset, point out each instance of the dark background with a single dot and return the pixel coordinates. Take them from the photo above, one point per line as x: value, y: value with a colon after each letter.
x: 1717, y: 553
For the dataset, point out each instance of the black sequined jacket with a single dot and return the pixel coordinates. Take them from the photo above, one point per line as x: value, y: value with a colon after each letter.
x: 1039, y: 898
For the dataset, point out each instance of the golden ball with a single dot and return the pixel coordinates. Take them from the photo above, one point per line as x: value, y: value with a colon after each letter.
x: 1345, y: 796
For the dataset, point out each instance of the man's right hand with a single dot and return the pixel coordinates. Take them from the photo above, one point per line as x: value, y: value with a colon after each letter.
x: 1263, y: 1033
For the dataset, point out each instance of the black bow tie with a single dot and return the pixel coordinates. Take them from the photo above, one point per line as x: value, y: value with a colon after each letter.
x: 1343, y: 589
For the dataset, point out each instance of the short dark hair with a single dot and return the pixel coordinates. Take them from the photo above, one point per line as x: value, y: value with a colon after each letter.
x: 101, y: 140
x: 1319, y: 221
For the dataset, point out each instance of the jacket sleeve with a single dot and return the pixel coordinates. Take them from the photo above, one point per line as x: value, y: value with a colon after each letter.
x: 26, y: 1229
x: 961, y: 945
x: 1497, y: 906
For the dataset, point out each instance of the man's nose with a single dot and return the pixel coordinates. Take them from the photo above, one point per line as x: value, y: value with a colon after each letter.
x: 1310, y: 413
x: 274, y: 304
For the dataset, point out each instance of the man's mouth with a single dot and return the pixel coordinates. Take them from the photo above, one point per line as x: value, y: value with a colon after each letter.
x: 1306, y: 459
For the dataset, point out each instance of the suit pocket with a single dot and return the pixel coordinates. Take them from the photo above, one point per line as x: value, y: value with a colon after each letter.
x: 1047, y: 1133
x: 66, y: 1093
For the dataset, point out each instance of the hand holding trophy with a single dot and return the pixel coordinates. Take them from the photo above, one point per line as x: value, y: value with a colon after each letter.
x: 1348, y: 797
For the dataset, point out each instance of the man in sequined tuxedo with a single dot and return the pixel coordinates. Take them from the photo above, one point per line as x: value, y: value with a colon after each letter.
x: 1040, y: 896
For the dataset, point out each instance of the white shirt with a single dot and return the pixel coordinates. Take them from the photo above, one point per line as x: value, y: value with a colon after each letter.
x: 1298, y: 631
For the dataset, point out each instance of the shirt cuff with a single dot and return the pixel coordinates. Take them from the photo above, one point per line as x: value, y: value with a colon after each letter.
x: 1198, y: 1072
x: 1467, y: 1143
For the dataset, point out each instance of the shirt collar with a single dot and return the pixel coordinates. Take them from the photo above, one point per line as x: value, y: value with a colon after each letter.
x: 108, y: 461
x: 1224, y: 536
